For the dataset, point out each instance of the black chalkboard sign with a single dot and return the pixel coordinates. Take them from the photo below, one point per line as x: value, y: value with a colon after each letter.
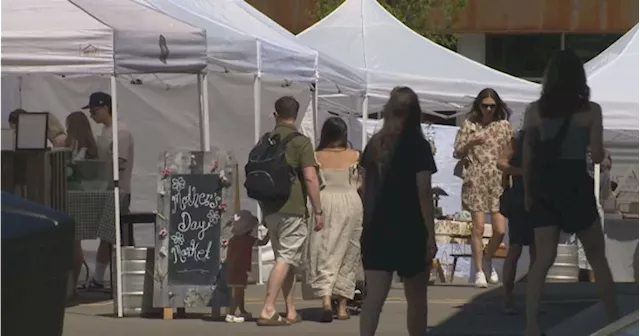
x: 195, y: 209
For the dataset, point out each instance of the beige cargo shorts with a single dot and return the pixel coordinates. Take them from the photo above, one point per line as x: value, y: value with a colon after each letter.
x: 288, y: 234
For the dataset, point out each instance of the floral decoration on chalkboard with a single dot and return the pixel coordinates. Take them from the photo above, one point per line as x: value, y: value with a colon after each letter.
x: 192, y: 195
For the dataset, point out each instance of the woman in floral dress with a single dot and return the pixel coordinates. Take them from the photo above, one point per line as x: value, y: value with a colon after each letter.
x: 478, y: 144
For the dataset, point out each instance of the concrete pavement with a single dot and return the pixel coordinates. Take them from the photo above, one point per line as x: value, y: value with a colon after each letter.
x: 456, y: 309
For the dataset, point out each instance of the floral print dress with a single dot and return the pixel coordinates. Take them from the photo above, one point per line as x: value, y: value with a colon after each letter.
x: 482, y: 180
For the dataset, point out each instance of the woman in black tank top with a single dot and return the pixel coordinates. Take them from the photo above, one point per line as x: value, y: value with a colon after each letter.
x: 559, y: 129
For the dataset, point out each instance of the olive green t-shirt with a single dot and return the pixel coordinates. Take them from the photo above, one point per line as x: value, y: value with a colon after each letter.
x: 299, y: 154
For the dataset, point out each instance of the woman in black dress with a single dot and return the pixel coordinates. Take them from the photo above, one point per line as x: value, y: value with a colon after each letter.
x: 560, y: 129
x: 398, y: 230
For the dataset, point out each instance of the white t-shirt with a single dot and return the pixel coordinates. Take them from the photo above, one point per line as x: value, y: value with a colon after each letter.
x: 125, y: 152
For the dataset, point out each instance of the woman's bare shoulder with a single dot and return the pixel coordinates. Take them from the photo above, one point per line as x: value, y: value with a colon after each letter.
x: 595, y: 108
x: 591, y: 113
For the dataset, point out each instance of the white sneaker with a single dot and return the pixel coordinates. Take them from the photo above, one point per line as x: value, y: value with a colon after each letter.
x: 233, y: 319
x: 481, y: 280
x: 487, y: 269
x: 494, y: 278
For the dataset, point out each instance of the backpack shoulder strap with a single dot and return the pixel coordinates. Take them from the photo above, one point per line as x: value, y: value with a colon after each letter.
x: 290, y: 137
x: 555, y: 144
x: 265, y: 137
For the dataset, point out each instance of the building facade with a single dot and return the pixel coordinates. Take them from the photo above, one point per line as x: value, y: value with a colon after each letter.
x: 513, y: 36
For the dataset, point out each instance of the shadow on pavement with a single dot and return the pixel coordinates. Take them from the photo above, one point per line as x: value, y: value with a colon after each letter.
x: 482, y: 314
x: 84, y: 298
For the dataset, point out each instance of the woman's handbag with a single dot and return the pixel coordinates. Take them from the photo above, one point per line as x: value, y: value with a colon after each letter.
x: 458, y: 170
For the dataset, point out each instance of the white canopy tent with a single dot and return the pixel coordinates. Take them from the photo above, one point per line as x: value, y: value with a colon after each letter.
x: 617, y: 92
x: 83, y: 37
x: 364, y: 35
x: 613, y: 79
x: 245, y: 40
x: 242, y: 40
x: 94, y: 37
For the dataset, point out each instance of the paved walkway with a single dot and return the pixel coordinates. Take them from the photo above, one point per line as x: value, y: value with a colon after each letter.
x: 453, y: 310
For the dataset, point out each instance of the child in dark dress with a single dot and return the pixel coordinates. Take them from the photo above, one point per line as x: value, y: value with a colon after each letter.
x: 239, y: 251
x: 520, y: 224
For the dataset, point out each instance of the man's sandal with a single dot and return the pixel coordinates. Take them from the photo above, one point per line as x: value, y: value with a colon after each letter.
x: 274, y: 321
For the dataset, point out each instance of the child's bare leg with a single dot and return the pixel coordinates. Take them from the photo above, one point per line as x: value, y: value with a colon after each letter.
x: 240, y: 293
x: 233, y: 305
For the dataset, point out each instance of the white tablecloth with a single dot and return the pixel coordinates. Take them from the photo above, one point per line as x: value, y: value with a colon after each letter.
x: 621, y: 243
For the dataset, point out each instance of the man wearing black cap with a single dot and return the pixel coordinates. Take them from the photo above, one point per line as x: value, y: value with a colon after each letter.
x: 100, y: 110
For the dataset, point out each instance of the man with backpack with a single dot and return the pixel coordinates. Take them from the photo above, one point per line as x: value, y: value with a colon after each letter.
x: 281, y: 173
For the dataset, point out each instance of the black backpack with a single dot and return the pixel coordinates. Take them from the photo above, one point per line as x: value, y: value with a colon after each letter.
x: 268, y: 175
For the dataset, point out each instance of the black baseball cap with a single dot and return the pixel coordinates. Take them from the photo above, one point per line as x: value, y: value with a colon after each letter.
x: 99, y: 99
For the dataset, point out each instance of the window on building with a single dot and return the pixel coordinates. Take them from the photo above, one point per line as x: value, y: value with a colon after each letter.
x: 521, y: 55
x: 526, y: 55
x: 588, y: 46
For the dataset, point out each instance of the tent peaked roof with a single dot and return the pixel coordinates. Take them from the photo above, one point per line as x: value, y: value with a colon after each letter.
x: 235, y: 47
x: 364, y: 35
x: 625, y: 47
x: 612, y: 86
x: 332, y: 71
x: 240, y: 40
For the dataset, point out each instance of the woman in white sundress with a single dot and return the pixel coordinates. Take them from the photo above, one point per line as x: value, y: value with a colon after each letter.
x: 332, y: 258
x: 81, y: 141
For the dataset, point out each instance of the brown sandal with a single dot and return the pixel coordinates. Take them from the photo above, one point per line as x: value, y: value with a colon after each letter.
x: 298, y: 319
x: 274, y: 321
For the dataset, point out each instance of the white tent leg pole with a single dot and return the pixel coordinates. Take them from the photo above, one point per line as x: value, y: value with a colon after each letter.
x: 314, y: 110
x: 116, y: 192
x: 257, y: 99
x: 205, y: 113
x: 365, y: 117
x: 314, y: 102
x: 201, y: 110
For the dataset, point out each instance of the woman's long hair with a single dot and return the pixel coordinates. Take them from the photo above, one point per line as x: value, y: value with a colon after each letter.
x: 334, y: 134
x: 401, y: 115
x: 501, y: 111
x: 79, y: 131
x: 564, y: 88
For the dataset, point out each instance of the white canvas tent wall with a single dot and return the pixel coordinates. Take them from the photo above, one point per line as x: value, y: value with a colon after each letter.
x: 364, y: 35
x: 92, y: 37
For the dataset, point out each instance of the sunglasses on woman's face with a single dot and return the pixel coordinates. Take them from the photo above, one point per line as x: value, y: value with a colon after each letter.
x: 488, y: 106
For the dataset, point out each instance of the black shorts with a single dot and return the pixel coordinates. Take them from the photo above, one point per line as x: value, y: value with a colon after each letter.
x: 570, y: 217
x: 569, y: 202
x: 571, y: 207
x: 521, y: 229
